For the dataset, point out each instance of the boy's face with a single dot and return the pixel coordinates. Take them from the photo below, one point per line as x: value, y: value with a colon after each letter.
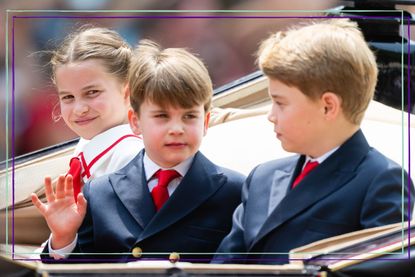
x: 170, y: 134
x: 298, y: 120
x: 91, y: 100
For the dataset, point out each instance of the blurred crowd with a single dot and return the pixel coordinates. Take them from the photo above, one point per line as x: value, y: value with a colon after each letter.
x: 227, y: 46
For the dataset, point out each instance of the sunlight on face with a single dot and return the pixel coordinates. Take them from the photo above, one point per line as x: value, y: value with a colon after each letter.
x: 91, y: 100
x: 297, y: 119
x: 171, y: 134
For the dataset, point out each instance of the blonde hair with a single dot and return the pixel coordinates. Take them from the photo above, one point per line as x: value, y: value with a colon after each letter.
x: 101, y: 44
x: 325, y: 56
x: 171, y: 76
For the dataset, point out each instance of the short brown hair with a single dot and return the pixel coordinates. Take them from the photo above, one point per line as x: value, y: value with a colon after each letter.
x: 101, y: 44
x: 172, y: 76
x: 325, y: 56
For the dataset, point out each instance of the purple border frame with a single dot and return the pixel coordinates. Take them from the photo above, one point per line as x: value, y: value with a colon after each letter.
x: 195, y: 17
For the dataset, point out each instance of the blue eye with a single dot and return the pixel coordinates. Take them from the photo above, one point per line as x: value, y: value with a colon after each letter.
x: 190, y: 116
x: 161, y: 115
x: 66, y: 98
x: 93, y: 92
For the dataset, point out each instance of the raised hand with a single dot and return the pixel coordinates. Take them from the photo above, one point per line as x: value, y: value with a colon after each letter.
x: 63, y: 215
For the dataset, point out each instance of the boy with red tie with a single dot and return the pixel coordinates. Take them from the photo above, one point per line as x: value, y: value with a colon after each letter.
x: 321, y: 79
x: 169, y: 198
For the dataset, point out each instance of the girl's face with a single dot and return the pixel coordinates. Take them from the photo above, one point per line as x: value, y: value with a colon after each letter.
x: 91, y: 99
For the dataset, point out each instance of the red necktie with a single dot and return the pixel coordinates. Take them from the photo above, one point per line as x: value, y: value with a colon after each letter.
x: 75, y: 170
x: 308, y: 167
x: 160, y: 193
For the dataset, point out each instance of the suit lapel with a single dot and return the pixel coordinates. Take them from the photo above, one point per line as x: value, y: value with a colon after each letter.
x: 328, y: 177
x: 281, y: 179
x: 131, y: 188
x: 200, y: 182
x: 281, y: 184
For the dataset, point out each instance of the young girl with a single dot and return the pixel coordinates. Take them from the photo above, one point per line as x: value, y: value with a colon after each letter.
x: 90, y: 70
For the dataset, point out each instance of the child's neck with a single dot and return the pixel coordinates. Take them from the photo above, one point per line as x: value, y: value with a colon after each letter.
x: 333, y: 138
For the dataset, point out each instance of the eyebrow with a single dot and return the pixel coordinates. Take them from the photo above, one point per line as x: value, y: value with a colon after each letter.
x: 90, y: 86
x: 158, y: 110
x: 276, y: 96
x: 83, y: 89
x: 61, y: 92
x: 192, y: 111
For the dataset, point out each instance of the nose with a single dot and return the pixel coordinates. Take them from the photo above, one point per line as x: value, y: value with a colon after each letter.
x: 81, y: 108
x: 272, y: 117
x: 176, y: 128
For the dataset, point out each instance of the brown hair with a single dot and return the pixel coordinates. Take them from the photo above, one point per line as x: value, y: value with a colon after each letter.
x: 171, y: 76
x: 101, y: 44
x: 325, y: 56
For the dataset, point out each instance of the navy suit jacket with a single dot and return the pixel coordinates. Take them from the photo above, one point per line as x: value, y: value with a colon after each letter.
x: 121, y: 214
x: 354, y: 188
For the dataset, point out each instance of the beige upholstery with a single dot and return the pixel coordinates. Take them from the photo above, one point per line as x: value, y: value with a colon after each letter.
x: 246, y: 137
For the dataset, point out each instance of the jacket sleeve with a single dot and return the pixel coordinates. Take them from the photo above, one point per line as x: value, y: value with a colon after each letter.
x: 387, y: 198
x: 233, y: 248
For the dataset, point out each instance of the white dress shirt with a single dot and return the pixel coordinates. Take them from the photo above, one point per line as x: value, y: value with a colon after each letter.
x: 320, y: 159
x: 150, y: 168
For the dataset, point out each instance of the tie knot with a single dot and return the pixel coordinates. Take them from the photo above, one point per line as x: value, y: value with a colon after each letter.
x: 166, y: 176
x: 309, y: 166
x: 75, y: 162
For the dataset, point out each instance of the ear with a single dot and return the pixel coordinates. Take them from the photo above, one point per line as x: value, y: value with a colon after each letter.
x: 126, y: 92
x: 134, y: 121
x: 331, y: 103
x: 206, y: 123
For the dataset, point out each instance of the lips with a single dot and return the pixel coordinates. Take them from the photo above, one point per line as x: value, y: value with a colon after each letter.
x: 176, y: 144
x: 84, y: 121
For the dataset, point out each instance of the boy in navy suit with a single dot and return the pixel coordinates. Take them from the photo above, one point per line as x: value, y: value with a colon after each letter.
x: 321, y: 80
x: 169, y: 198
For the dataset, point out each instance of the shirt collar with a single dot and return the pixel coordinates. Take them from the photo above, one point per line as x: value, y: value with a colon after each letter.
x: 322, y: 158
x: 101, y: 141
x: 151, y: 167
